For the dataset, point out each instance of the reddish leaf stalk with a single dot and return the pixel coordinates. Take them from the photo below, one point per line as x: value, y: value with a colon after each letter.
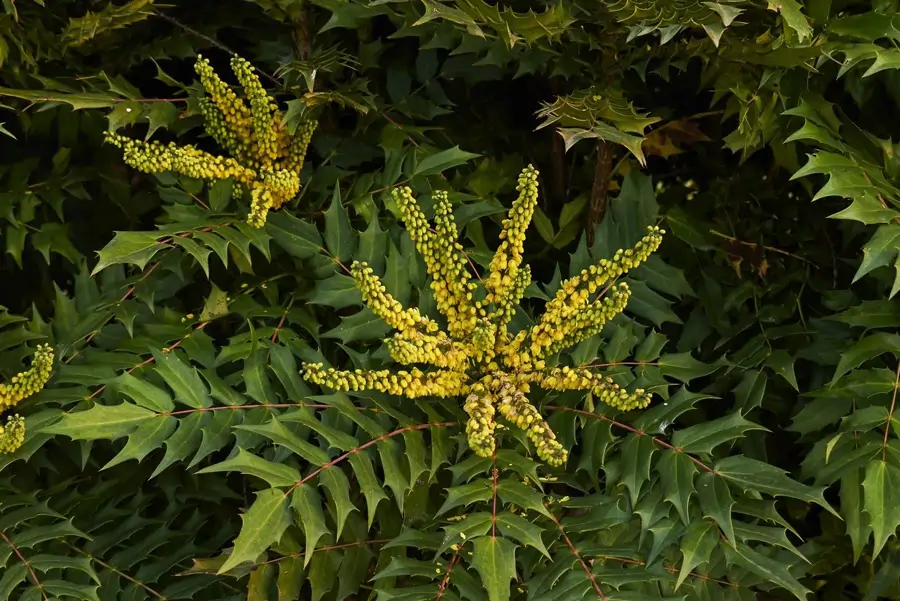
x: 445, y: 581
x: 634, y: 430
x: 577, y: 555
x: 887, y: 424
x: 365, y: 446
x: 24, y: 561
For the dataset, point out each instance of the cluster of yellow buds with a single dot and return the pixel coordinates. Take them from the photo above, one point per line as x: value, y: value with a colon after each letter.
x: 21, y: 386
x: 476, y: 356
x: 12, y: 435
x: 265, y: 160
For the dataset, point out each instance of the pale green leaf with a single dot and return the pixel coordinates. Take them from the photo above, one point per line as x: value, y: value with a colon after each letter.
x: 495, y: 561
x: 262, y: 525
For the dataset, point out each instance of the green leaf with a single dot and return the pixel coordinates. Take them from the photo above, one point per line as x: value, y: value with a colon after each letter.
x: 308, y: 504
x: 606, y: 132
x: 339, y: 235
x: 683, y: 367
x: 866, y: 349
x: 696, y: 547
x: 793, y: 17
x: 216, y: 304
x: 770, y: 570
x: 783, y: 364
x: 881, y: 251
x: 495, y: 560
x: 522, y: 530
x: 677, y: 471
x: 184, y: 441
x: 516, y: 493
x: 852, y: 501
x: 245, y: 462
x: 299, y: 238
x: 131, y: 248
x: 338, y: 487
x: 78, y: 100
x: 368, y: 483
x: 148, y: 437
x: 637, y: 454
x: 101, y: 422
x: 262, y: 525
x: 361, y: 326
x: 461, y: 496
x: 882, y: 501
x: 762, y: 477
x: 705, y: 437
x: 881, y: 313
x: 338, y: 291
x: 143, y: 393
x: 716, y: 502
x: 290, y: 578
x: 443, y: 160
x: 183, y: 379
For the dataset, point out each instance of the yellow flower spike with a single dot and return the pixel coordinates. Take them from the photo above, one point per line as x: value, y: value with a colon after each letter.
x: 12, y: 435
x: 480, y: 427
x: 295, y: 150
x: 443, y: 259
x: 234, y: 112
x: 513, y: 405
x: 508, y: 257
x: 579, y: 325
x: 382, y: 304
x: 261, y: 115
x: 602, y: 387
x: 412, y: 384
x: 411, y: 346
x: 30, y: 381
x: 265, y: 159
x: 476, y: 356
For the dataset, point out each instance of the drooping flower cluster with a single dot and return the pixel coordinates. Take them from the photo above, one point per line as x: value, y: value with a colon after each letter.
x: 22, y: 386
x: 265, y: 160
x: 477, y: 357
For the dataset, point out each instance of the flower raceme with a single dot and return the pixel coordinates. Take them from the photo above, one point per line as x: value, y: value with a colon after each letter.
x: 265, y: 159
x: 22, y: 386
x: 476, y: 357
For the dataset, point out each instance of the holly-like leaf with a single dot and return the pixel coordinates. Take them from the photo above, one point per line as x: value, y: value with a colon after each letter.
x: 864, y: 350
x: 697, y: 547
x: 443, y: 160
x: 753, y: 474
x: 101, y: 422
x: 245, y: 462
x: 882, y: 501
x: 495, y: 560
x: 130, y: 248
x: 705, y: 437
x: 263, y: 524
x: 339, y: 235
x: 522, y: 530
x: 677, y: 471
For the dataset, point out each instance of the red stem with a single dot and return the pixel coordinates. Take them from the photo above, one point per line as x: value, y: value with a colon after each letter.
x: 365, y: 446
x: 577, y: 555
x: 634, y: 430
x: 887, y: 425
x: 24, y: 561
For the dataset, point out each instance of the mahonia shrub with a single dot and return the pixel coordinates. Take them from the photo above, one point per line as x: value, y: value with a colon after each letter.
x: 477, y: 357
x: 184, y: 448
x: 266, y: 159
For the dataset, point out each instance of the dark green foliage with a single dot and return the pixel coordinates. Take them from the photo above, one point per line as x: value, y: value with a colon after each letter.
x: 178, y: 454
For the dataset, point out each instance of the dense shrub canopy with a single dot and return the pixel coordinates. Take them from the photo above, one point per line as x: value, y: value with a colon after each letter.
x: 357, y: 300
